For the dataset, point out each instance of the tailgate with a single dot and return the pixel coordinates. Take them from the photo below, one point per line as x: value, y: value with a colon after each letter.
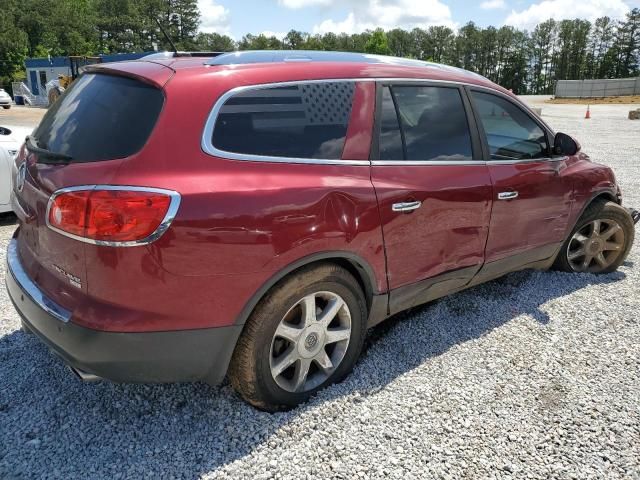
x: 95, y: 126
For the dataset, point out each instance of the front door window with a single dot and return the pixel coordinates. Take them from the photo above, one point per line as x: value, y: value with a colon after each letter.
x: 510, y: 132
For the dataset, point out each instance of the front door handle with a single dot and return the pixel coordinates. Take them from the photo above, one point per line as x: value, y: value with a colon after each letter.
x: 507, y: 195
x: 406, y: 206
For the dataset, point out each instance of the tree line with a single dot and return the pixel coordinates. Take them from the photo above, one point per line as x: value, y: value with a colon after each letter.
x: 524, y: 61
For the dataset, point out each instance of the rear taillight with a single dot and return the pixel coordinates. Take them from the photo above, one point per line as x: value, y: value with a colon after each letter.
x: 110, y: 215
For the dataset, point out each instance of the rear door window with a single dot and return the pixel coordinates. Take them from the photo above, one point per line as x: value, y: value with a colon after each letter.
x: 424, y: 123
x: 100, y: 117
x: 511, y: 133
x: 307, y: 120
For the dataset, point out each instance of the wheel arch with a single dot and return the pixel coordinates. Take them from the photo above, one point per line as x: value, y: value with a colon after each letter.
x: 356, y: 265
x: 598, y: 196
x: 604, y: 195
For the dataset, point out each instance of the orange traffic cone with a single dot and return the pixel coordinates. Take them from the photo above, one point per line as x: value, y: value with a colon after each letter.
x: 588, y: 114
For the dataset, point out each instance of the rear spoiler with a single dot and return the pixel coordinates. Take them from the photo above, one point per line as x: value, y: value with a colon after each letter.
x: 153, y: 73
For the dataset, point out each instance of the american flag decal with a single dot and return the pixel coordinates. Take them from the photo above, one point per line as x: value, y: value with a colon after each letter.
x: 322, y: 103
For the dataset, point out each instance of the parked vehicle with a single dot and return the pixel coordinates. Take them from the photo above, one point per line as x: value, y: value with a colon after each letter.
x: 8, y: 148
x: 11, y: 139
x: 5, y: 99
x: 255, y: 213
x: 6, y: 162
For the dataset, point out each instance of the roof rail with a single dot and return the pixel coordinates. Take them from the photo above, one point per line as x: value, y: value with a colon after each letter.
x: 166, y: 55
x: 198, y: 54
x: 300, y: 56
x: 274, y: 56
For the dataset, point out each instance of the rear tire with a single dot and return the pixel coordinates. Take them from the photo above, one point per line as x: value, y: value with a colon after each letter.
x: 600, y: 240
x: 306, y: 334
x: 6, y: 107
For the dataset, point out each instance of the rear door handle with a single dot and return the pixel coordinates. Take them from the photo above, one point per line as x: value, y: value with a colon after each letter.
x: 507, y: 195
x: 406, y: 206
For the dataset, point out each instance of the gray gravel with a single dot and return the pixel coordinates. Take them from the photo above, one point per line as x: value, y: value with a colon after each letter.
x: 536, y: 375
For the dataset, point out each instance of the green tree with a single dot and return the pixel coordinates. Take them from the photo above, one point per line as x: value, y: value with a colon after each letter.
x: 602, y: 36
x: 294, y: 40
x: 378, y: 43
x: 440, y: 44
x: 330, y: 41
x: 185, y: 19
x: 542, y: 45
x: 14, y: 47
x: 627, y: 45
x: 466, y: 47
x: 116, y: 21
x: 214, y: 42
x: 259, y: 42
x: 400, y: 43
x: 525, y: 62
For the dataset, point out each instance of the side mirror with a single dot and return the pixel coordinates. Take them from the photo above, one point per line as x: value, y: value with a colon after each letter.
x: 564, y: 144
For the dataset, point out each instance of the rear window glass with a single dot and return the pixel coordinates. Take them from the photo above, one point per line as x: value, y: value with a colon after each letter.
x: 307, y: 120
x: 100, y: 117
x: 433, y: 124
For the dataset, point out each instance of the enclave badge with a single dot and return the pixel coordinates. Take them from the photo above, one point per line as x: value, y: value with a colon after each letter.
x: 73, y: 280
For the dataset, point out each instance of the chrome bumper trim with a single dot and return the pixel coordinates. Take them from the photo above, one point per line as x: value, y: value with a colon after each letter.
x: 14, y: 267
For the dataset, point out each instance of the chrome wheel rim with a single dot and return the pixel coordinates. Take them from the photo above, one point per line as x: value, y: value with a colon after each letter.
x: 310, y: 342
x: 596, y: 246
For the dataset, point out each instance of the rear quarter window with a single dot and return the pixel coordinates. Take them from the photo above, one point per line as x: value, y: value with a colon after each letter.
x: 101, y: 117
x: 306, y: 120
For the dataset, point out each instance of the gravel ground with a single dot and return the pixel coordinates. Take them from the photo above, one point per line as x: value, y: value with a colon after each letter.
x: 21, y: 116
x: 535, y: 375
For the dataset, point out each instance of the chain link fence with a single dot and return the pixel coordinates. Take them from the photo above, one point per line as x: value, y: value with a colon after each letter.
x: 597, y: 88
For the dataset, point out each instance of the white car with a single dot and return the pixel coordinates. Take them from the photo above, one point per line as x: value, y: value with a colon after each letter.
x: 5, y: 99
x: 11, y: 138
x: 9, y: 146
x: 6, y: 180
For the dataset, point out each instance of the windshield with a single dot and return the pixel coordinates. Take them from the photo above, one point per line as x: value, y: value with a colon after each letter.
x: 100, y: 117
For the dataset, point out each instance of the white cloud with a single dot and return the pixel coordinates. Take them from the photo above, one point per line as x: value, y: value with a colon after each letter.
x: 388, y: 14
x: 493, y: 4
x: 304, y: 3
x: 213, y: 17
x: 348, y: 25
x: 566, y: 9
x: 278, y: 35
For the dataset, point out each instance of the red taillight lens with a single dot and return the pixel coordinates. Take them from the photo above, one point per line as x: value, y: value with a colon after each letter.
x: 109, y: 215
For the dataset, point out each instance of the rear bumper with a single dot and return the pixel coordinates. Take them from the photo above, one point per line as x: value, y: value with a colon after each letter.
x: 153, y: 357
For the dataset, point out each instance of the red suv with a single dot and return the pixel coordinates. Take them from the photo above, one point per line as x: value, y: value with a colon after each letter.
x: 253, y: 214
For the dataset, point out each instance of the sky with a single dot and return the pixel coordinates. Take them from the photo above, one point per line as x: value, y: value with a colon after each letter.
x: 239, y: 17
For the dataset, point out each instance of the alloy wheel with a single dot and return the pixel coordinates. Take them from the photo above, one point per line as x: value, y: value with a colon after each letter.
x: 596, y: 246
x: 310, y: 342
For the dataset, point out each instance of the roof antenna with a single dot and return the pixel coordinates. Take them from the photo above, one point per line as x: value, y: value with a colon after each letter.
x: 173, y: 47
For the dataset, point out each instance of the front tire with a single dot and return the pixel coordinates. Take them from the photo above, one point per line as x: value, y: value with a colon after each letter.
x: 306, y: 334
x: 6, y: 107
x: 599, y: 242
